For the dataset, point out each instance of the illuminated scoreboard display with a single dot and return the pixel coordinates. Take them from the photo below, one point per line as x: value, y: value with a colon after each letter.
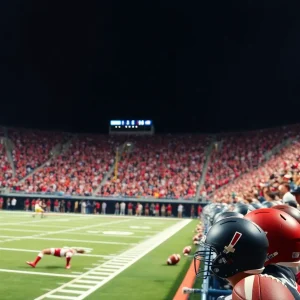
x: 131, y: 126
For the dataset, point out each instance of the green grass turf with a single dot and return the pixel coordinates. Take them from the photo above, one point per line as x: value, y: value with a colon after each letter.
x: 149, y: 278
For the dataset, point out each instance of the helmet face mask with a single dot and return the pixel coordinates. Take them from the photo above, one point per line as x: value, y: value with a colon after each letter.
x: 232, y: 245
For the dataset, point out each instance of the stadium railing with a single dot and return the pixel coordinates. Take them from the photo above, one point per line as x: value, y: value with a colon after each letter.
x: 210, y: 286
x: 110, y: 201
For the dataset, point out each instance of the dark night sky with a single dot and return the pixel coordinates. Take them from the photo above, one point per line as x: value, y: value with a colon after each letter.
x: 188, y: 65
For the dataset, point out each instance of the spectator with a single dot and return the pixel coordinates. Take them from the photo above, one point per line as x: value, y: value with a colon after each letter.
x: 83, y: 207
x: 199, y: 211
x: 103, y: 208
x: 169, y: 209
x: 8, y: 204
x: 147, y: 209
x: 27, y: 203
x: 48, y: 206
x: 192, y: 211
x: 140, y: 209
x: 180, y: 210
x: 163, y: 210
x: 152, y: 209
x: 69, y: 206
x: 117, y: 208
x: 56, y: 206
x: 286, y: 194
x: 1, y: 203
x: 76, y: 207
x: 157, y: 209
x: 33, y: 205
x: 13, y: 203
x: 122, y: 208
x: 130, y: 206
x: 98, y: 208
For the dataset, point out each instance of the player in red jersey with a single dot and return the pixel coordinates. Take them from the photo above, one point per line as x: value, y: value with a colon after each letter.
x: 58, y: 252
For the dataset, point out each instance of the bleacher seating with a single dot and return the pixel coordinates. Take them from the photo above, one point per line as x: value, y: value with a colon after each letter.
x: 32, y: 148
x: 281, y: 164
x: 160, y: 167
x: 77, y: 171
x: 240, y: 153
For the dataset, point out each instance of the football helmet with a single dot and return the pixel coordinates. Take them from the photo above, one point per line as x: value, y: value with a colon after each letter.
x: 283, y: 233
x: 291, y: 203
x: 243, y: 208
x: 227, y: 214
x: 231, y: 246
x: 256, y: 205
x: 268, y: 204
x: 294, y: 212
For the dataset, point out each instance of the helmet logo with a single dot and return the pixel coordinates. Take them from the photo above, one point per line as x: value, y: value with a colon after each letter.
x: 230, y: 248
x: 272, y: 255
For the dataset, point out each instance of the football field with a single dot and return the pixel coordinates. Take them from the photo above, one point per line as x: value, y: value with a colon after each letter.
x: 125, y: 256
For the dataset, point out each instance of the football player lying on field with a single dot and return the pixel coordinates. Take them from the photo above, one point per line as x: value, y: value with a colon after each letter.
x: 58, y: 252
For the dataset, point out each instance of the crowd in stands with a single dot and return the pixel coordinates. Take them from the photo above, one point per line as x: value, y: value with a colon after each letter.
x: 238, y: 154
x: 6, y: 171
x: 160, y: 166
x: 31, y: 149
x: 269, y: 180
x: 78, y: 170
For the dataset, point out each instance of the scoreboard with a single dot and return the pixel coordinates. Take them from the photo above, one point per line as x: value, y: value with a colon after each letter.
x: 131, y: 126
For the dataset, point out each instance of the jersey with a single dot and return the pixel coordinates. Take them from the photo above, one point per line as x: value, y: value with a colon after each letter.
x: 59, y: 252
x: 37, y: 207
x: 286, y: 276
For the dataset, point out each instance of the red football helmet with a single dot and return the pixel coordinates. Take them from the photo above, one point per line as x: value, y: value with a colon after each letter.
x: 292, y: 211
x: 283, y: 233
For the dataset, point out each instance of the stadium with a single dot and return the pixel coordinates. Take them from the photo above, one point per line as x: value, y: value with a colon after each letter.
x: 149, y: 150
x: 129, y: 199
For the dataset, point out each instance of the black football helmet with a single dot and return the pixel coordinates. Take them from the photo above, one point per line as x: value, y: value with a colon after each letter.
x: 256, y: 205
x: 243, y: 209
x: 291, y: 203
x: 231, y: 246
x: 268, y: 204
x: 227, y: 214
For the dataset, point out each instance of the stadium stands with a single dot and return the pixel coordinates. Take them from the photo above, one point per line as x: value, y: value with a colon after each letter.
x: 237, y: 154
x: 267, y: 177
x: 32, y: 149
x: 77, y: 171
x: 161, y: 167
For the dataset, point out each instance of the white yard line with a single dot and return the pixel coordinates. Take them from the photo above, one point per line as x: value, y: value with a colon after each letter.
x: 9, y: 239
x: 80, y: 233
x: 92, y: 280
x: 37, y: 273
x: 6, y: 213
x: 37, y: 251
x: 64, y: 231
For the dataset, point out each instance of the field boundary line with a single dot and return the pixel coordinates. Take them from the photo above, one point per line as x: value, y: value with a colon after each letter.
x: 114, y: 267
x: 188, y: 281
